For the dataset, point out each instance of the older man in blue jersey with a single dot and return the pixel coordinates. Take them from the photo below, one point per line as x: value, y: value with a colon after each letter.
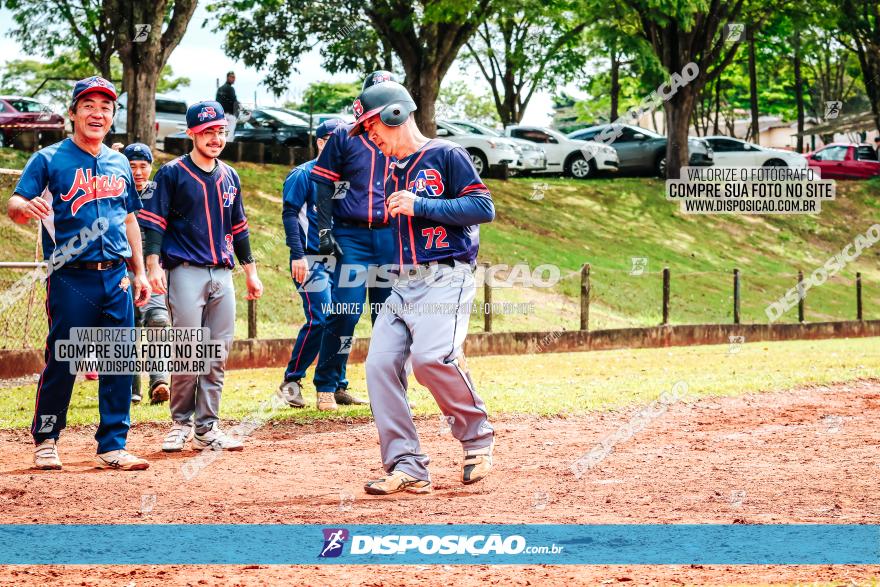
x: 437, y: 201
x: 309, y: 271
x: 350, y: 176
x: 93, y: 199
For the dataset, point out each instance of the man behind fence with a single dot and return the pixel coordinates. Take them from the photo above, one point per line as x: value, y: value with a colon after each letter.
x: 93, y: 199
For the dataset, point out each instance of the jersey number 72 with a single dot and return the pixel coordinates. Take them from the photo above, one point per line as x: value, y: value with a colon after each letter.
x: 436, y: 237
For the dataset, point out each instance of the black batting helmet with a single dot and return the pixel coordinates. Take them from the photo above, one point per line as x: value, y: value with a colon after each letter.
x: 377, y: 77
x: 389, y: 100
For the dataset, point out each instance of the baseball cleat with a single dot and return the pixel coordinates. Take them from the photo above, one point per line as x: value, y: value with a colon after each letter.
x: 395, y: 482
x: 46, y: 455
x: 326, y: 402
x: 177, y: 437
x: 477, y: 464
x: 343, y: 398
x: 291, y: 393
x: 121, y: 459
x: 136, y: 397
x: 216, y: 439
x: 160, y: 393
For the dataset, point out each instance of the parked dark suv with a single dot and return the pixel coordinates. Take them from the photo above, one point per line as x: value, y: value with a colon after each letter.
x: 642, y: 151
x: 273, y: 126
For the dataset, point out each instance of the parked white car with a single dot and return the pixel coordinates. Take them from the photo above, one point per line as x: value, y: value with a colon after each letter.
x: 170, y: 116
x: 565, y: 155
x: 532, y: 158
x: 486, y: 152
x: 731, y: 152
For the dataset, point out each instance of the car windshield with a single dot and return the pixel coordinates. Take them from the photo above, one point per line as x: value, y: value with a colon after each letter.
x: 648, y: 133
x: 284, y: 117
x: 480, y: 129
x: 170, y: 106
x: 454, y: 129
x: 28, y: 106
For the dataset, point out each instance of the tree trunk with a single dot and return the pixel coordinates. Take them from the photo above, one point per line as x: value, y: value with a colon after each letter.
x: 678, y: 113
x: 615, y: 84
x: 753, y: 92
x: 716, y: 129
x: 424, y: 90
x: 142, y: 103
x: 798, y: 90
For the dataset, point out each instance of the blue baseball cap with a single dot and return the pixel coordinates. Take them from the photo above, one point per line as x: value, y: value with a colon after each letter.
x: 327, y: 127
x: 202, y: 115
x: 138, y: 152
x: 94, y: 84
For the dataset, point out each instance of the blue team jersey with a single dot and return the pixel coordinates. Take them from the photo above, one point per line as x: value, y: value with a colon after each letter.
x: 200, y: 214
x: 300, y: 211
x: 440, y: 169
x: 83, y: 188
x: 357, y: 169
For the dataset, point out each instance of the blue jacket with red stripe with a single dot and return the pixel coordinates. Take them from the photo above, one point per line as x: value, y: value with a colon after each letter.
x: 200, y: 214
x: 356, y: 169
x: 452, y: 203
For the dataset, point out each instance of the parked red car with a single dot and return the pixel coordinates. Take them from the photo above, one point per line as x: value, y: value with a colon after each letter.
x: 845, y: 161
x: 20, y: 116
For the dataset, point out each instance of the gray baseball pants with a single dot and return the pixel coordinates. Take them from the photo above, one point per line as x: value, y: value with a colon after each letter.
x: 425, y: 319
x: 201, y: 297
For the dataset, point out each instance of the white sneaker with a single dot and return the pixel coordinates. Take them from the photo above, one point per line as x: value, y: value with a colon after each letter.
x: 216, y: 439
x: 121, y: 459
x: 46, y: 455
x: 177, y: 437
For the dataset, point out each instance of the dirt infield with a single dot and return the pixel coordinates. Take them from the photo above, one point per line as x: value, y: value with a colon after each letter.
x: 803, y: 456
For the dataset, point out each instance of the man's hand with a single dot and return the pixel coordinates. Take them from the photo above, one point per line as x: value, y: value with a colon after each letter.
x: 254, y: 285
x: 156, y: 275
x: 21, y: 209
x: 142, y: 290
x: 299, y: 269
x: 402, y: 202
x: 327, y: 245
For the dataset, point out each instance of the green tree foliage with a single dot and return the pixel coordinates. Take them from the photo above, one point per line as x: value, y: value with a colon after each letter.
x: 328, y: 97
x: 458, y: 100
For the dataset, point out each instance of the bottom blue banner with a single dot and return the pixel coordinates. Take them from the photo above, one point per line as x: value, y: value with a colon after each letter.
x: 704, y: 544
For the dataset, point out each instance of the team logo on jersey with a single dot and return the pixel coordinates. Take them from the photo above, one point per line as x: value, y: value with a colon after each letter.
x: 229, y: 196
x: 427, y: 182
x: 358, y: 108
x: 207, y: 113
x: 86, y: 188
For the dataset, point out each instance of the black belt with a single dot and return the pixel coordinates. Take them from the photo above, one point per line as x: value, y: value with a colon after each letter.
x: 361, y: 224
x: 414, y: 270
x: 94, y: 265
x: 205, y: 266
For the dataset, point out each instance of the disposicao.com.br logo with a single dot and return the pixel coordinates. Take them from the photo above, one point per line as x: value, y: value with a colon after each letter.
x: 394, y: 544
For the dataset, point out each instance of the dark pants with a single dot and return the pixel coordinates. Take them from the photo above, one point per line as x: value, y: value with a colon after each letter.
x: 84, y: 298
x: 315, y: 294
x: 361, y: 248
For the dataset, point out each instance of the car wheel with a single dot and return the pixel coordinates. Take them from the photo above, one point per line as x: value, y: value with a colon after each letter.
x: 661, y: 166
x: 578, y: 167
x: 481, y: 164
x: 775, y: 163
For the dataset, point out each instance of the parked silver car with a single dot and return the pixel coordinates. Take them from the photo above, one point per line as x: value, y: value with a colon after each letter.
x: 170, y: 116
x: 533, y: 157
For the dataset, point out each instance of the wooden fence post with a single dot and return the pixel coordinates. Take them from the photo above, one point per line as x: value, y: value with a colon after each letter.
x: 859, y: 296
x: 487, y: 300
x: 800, y: 290
x: 252, y: 318
x: 665, y: 296
x: 736, y: 315
x: 585, y: 296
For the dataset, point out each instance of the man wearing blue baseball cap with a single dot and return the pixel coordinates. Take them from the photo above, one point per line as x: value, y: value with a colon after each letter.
x: 308, y: 269
x: 155, y: 313
x: 196, y: 225
x: 92, y: 196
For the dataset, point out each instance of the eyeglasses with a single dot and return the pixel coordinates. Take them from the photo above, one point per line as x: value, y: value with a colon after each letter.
x: 215, y: 134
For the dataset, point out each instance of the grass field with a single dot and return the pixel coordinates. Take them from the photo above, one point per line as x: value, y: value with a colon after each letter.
x: 605, y: 222
x: 544, y: 383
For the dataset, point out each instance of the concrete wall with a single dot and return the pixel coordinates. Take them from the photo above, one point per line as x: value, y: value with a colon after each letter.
x: 249, y: 354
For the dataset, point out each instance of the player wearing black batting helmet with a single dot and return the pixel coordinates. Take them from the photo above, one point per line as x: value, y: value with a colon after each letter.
x: 377, y: 77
